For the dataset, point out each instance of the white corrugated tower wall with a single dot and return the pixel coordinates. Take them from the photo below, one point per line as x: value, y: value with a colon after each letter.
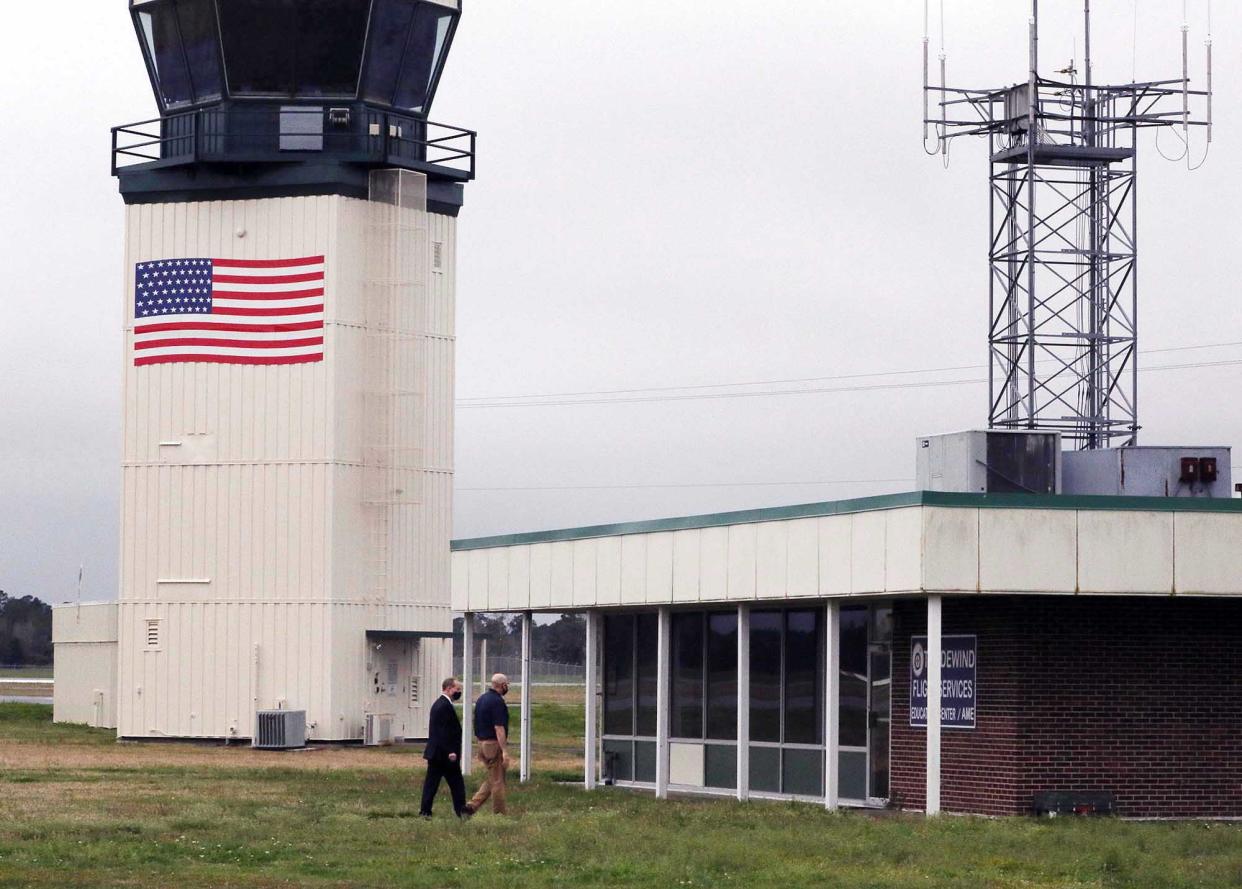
x: 271, y: 515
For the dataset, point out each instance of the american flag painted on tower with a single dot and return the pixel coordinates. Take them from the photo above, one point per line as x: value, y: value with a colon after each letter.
x: 229, y: 311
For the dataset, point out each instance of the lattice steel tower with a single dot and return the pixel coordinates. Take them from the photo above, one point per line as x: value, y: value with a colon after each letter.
x: 1063, y: 287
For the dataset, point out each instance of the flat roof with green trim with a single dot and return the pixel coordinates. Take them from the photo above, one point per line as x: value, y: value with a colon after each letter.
x: 863, y: 504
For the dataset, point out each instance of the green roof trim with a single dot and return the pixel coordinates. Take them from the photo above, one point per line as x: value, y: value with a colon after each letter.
x: 864, y: 504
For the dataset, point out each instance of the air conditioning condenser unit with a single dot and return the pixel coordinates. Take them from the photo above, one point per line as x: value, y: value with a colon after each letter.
x: 279, y: 729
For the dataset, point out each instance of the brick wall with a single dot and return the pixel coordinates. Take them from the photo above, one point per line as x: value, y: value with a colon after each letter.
x: 1138, y: 696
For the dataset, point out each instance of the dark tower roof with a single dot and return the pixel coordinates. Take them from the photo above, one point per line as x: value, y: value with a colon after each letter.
x: 291, y: 97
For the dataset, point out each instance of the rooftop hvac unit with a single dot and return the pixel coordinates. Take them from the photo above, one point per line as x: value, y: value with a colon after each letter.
x: 279, y: 729
x: 1149, y: 471
x: 378, y: 730
x: 990, y: 461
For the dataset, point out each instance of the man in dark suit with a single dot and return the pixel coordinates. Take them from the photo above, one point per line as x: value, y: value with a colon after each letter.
x: 443, y: 753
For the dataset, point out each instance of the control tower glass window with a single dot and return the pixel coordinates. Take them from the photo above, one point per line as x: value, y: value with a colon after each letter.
x: 405, y: 51
x: 180, y: 40
x: 293, y: 47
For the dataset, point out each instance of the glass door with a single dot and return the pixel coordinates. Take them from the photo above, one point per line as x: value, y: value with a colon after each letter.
x: 865, y: 696
x: 879, y: 703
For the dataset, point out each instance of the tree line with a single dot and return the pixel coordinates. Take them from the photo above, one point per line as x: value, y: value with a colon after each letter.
x: 562, y: 641
x: 25, y: 631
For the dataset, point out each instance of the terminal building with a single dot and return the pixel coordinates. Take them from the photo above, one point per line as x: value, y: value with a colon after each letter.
x: 1080, y: 645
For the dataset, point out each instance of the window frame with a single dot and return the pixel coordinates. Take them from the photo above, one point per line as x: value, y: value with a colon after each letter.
x: 136, y: 8
x: 433, y: 84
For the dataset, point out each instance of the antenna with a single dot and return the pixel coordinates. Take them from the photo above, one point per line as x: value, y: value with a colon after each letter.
x: 1063, y: 289
x: 1086, y: 45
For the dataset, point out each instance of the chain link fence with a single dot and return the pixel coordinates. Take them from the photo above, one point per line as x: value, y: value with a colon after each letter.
x: 542, y: 672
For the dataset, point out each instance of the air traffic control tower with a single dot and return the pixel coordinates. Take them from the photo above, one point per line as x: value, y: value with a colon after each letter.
x: 288, y: 369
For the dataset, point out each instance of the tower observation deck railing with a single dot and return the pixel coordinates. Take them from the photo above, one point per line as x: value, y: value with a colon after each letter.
x: 272, y: 133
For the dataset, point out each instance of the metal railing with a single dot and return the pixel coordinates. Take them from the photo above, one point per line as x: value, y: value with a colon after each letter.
x: 274, y: 133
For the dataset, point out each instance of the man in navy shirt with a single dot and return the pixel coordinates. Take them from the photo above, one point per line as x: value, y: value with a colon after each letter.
x: 491, y: 727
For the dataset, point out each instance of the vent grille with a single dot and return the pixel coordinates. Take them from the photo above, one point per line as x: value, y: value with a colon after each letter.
x: 153, y: 634
x: 279, y: 729
x: 414, y: 693
x: 437, y: 256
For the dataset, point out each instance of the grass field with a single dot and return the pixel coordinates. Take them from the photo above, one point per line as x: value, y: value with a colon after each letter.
x: 25, y: 672
x: 77, y: 809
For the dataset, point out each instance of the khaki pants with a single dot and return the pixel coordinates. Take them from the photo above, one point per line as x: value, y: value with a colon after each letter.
x: 494, y: 784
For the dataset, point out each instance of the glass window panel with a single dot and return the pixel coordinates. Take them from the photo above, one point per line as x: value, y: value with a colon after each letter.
x: 882, y: 623
x: 880, y: 663
x: 329, y: 46
x: 618, y: 674
x: 390, y: 26
x: 422, y: 55
x: 852, y: 766
x: 879, y: 761
x: 804, y: 661
x: 621, y: 756
x: 687, y: 678
x: 722, y: 675
x: 853, y: 712
x: 202, y: 46
x: 647, y: 630
x: 880, y: 695
x: 802, y: 772
x: 854, y: 640
x: 765, y: 676
x: 644, y: 761
x: 163, y: 40
x: 258, y: 50
x: 765, y: 769
x: 720, y: 766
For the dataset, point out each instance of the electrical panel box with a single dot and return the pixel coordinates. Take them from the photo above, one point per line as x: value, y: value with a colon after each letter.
x: 1149, y: 471
x: 990, y: 461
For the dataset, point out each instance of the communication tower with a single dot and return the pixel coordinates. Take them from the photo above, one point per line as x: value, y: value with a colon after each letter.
x: 1063, y: 229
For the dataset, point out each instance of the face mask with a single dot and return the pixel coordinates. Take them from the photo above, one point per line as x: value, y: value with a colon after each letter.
x: 504, y: 690
x: 456, y: 696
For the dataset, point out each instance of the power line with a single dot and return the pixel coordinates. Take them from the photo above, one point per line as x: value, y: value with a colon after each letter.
x: 818, y: 390
x: 465, y: 402
x: 842, y: 481
x: 858, y: 376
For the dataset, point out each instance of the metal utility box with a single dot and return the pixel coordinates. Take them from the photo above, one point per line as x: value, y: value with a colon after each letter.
x: 1146, y: 471
x: 990, y: 461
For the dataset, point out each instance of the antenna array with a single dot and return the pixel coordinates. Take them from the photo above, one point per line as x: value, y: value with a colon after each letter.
x: 1063, y: 288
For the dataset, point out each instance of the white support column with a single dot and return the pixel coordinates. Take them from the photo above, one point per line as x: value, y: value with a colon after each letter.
x: 662, y: 700
x: 527, y: 680
x: 743, y: 702
x: 591, y: 702
x: 485, y: 678
x: 832, y: 704
x: 467, y: 699
x: 933, y: 705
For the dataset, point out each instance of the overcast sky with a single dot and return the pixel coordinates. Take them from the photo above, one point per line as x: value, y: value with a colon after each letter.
x: 665, y: 198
